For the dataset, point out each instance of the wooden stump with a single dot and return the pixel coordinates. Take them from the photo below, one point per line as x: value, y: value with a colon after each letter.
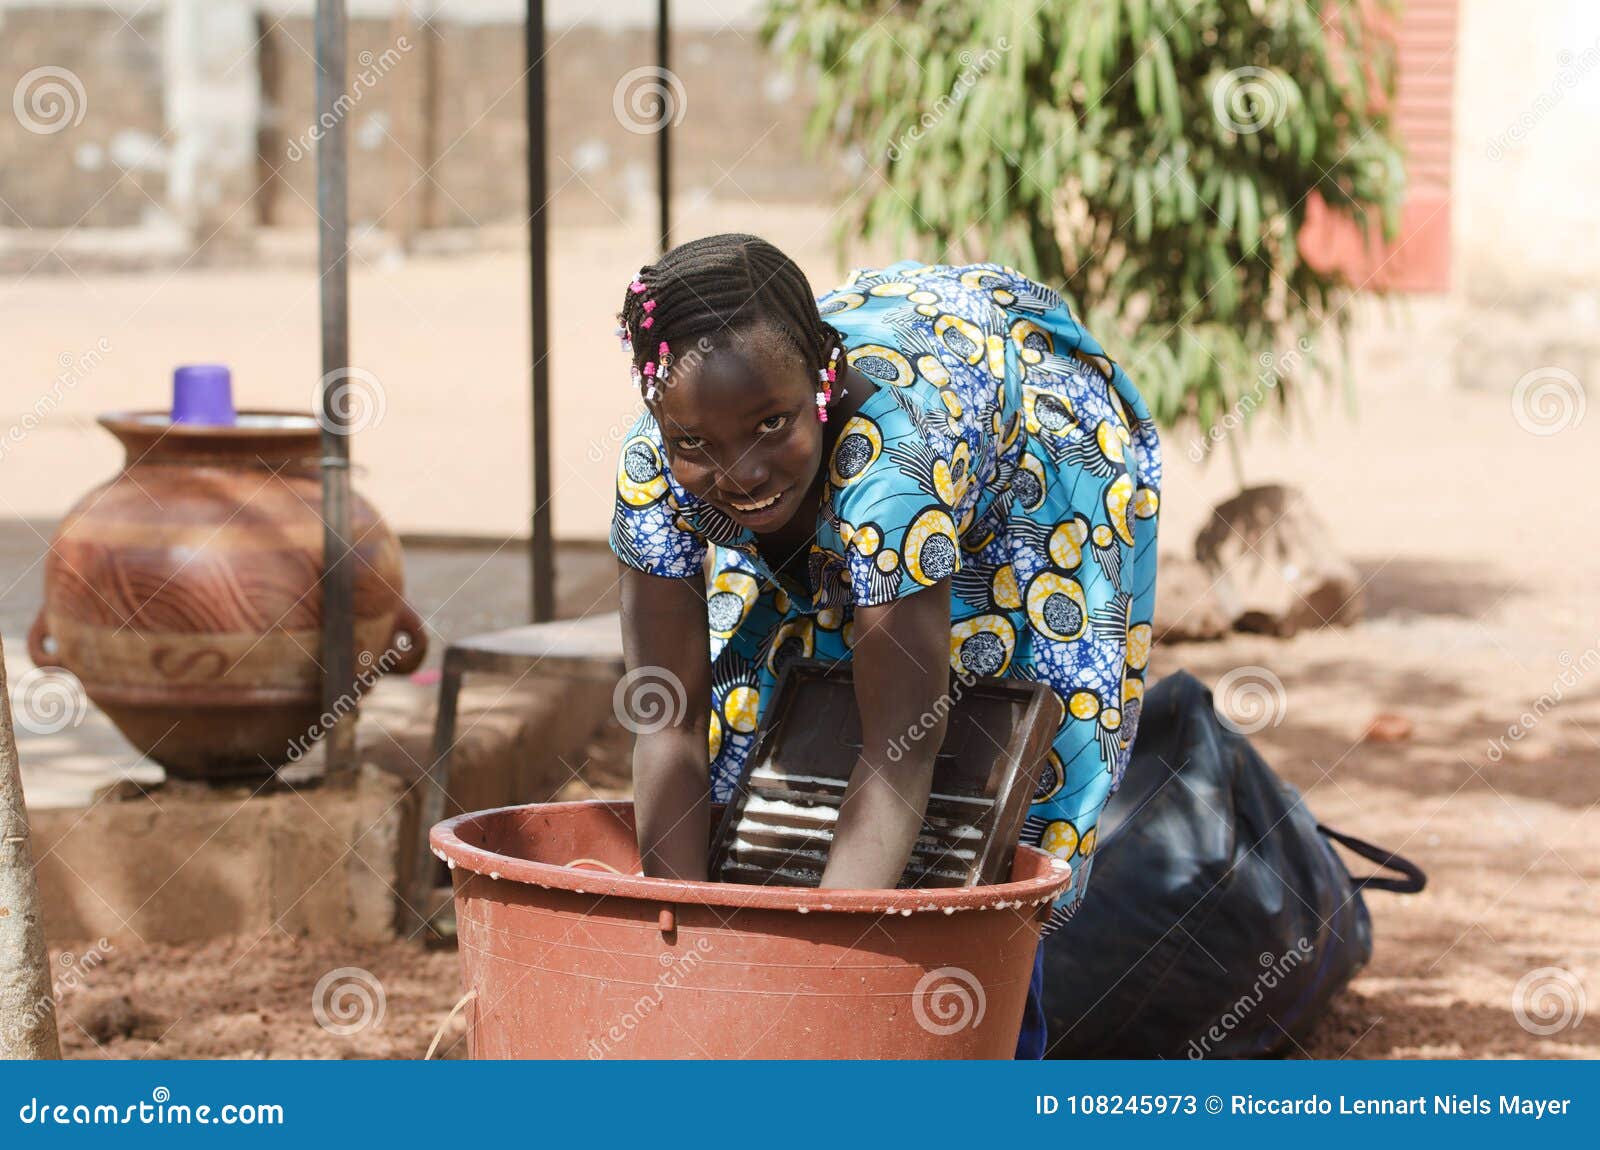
x: 1273, y: 564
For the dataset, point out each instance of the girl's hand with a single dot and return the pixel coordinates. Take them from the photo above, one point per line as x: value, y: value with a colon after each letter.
x: 902, y: 670
x: 664, y: 630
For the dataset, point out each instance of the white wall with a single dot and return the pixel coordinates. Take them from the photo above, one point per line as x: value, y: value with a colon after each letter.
x: 1527, y: 190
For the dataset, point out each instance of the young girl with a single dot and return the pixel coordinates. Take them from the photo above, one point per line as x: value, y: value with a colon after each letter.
x: 927, y: 470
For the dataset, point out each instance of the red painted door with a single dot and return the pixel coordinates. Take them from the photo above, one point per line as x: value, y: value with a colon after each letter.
x: 1419, y: 258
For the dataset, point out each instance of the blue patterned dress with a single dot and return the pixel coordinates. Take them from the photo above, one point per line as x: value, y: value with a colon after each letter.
x: 996, y: 454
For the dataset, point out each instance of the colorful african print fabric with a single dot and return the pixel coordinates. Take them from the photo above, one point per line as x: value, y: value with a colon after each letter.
x: 996, y: 453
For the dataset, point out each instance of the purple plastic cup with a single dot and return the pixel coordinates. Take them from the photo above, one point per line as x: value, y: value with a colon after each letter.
x: 203, y: 393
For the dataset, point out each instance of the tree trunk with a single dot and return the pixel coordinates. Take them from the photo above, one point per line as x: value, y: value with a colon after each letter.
x: 27, y: 998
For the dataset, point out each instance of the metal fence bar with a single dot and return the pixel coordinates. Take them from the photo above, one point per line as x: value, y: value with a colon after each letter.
x: 338, y: 573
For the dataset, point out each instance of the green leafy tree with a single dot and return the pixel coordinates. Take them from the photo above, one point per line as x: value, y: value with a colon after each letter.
x: 1154, y: 159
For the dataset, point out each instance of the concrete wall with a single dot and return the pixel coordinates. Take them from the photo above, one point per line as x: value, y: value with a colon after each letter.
x: 65, y: 155
x: 209, y: 106
x: 1527, y: 220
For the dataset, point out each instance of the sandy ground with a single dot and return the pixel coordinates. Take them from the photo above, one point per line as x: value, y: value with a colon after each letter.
x: 1476, y: 539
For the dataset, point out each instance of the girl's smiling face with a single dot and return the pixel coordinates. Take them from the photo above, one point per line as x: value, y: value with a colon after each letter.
x: 741, y: 428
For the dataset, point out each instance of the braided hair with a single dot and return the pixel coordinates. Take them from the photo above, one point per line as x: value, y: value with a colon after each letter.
x: 712, y: 287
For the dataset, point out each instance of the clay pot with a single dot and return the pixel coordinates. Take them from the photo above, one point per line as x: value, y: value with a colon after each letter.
x: 185, y: 595
x: 589, y: 962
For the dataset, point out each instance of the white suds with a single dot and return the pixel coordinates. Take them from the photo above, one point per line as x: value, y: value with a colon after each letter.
x: 793, y: 810
x: 742, y: 845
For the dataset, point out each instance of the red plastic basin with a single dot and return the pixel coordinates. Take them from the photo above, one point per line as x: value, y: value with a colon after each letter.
x: 582, y: 963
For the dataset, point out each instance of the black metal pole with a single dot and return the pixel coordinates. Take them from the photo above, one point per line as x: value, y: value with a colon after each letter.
x: 540, y: 540
x: 338, y: 574
x: 664, y: 135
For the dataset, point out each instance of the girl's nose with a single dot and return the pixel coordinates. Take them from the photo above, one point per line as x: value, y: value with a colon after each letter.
x: 746, y: 478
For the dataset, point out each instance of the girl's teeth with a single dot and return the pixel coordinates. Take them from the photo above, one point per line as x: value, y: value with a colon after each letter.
x: 756, y: 506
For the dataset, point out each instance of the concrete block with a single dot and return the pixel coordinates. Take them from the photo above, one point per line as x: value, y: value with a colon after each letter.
x: 188, y: 862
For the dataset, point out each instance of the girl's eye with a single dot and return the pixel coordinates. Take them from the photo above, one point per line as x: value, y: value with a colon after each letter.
x: 773, y: 423
x: 688, y: 443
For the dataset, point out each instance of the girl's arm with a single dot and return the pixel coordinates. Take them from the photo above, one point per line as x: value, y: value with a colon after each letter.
x: 902, y: 670
x: 664, y: 632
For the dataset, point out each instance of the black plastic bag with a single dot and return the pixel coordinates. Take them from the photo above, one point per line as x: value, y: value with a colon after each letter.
x: 1219, y: 922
